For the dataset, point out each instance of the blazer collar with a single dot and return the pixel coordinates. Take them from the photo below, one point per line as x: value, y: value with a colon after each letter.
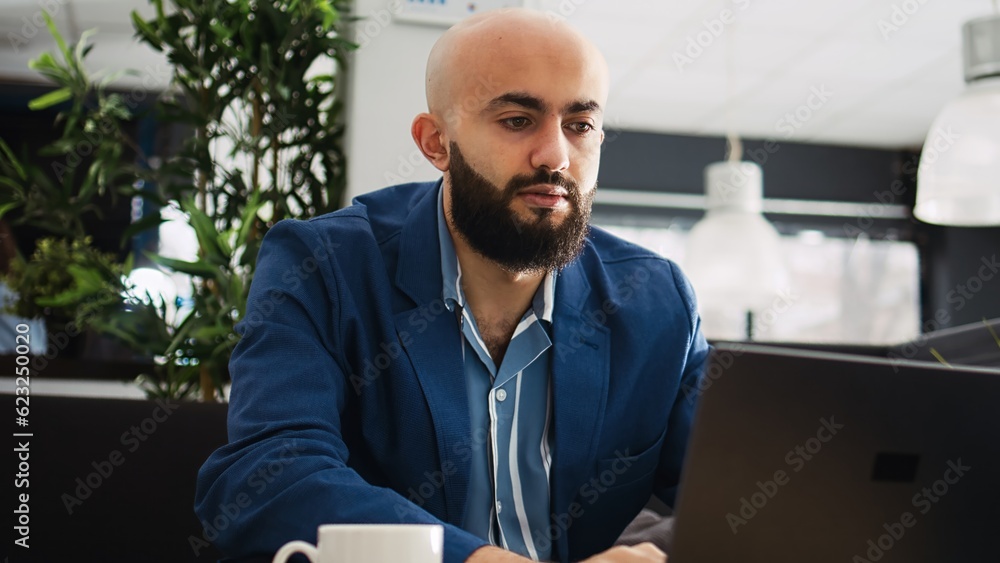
x: 418, y: 274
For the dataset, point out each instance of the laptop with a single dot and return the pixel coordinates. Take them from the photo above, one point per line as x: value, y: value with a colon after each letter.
x: 800, y: 456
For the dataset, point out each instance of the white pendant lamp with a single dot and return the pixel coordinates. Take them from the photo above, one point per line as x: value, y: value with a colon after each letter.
x: 958, y: 180
x: 733, y: 254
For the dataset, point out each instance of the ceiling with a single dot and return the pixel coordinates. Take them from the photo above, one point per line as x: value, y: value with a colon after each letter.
x: 882, y: 85
x: 23, y: 36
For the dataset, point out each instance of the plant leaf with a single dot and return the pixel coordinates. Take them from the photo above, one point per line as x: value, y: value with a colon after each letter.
x: 200, y: 269
x: 82, y: 47
x: 213, y: 242
x: 56, y: 35
x: 52, y: 98
x: 146, y: 31
x: 8, y: 206
x: 9, y: 154
x: 148, y: 222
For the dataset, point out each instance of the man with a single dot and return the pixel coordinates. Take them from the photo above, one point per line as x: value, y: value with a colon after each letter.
x: 466, y: 352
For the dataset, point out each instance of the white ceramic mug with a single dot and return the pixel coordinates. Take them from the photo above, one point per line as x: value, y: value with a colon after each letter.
x: 370, y: 543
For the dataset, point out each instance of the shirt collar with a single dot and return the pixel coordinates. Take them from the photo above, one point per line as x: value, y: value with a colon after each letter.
x: 451, y: 273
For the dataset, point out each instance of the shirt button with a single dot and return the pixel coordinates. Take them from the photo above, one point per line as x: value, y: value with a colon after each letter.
x: 499, y: 507
x: 501, y: 395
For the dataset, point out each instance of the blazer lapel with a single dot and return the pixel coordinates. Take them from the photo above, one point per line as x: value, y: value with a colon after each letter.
x: 580, y: 378
x: 431, y: 338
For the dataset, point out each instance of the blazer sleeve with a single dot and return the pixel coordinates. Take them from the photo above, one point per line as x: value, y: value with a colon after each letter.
x: 284, y: 471
x: 682, y: 413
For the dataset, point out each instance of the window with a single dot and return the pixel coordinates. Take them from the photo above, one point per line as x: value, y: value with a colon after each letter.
x: 844, y: 291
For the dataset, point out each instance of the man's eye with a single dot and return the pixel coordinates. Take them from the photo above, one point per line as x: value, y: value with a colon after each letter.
x: 516, y: 122
x: 582, y: 127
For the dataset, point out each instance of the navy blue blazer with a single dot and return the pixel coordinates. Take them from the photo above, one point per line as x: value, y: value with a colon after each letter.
x: 348, y: 401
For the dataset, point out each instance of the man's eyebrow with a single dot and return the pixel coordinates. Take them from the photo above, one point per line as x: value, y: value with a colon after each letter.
x: 522, y: 99
x: 582, y: 106
x: 527, y: 101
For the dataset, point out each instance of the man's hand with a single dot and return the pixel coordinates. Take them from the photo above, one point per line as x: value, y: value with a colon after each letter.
x: 490, y: 554
x: 641, y: 553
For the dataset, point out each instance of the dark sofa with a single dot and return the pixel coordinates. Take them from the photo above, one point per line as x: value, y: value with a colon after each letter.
x: 112, y: 480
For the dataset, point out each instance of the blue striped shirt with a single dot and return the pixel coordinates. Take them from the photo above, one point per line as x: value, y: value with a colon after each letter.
x: 509, y: 408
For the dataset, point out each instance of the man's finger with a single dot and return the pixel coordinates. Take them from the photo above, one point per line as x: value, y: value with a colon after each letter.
x: 649, y: 551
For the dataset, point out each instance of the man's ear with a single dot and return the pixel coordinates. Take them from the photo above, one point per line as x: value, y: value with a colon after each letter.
x: 431, y: 140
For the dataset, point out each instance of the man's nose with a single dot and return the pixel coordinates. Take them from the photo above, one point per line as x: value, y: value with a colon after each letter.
x: 551, y: 148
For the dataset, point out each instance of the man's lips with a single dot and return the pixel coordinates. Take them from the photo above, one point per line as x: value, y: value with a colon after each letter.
x: 543, y: 195
x: 546, y: 189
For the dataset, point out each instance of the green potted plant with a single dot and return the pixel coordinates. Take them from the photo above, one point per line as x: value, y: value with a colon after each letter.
x: 265, y: 144
x: 68, y: 283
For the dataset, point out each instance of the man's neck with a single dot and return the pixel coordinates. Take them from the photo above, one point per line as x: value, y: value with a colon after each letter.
x: 496, y: 297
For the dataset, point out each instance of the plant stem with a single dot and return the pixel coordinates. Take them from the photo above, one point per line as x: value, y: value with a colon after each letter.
x: 207, y: 385
x: 255, y: 131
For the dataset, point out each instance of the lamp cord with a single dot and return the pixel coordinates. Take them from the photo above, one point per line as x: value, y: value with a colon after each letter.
x: 734, y: 147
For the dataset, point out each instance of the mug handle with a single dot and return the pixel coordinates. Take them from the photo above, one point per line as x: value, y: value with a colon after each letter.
x: 294, y: 547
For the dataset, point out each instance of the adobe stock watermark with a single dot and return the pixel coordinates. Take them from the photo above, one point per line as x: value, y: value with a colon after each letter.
x: 589, y: 492
x: 33, y: 25
x: 791, y: 122
x: 698, y: 43
x: 940, y: 142
x: 471, y: 105
x: 796, y: 458
x: 419, y: 321
x: 794, y: 120
x: 258, y: 481
x: 58, y: 341
x: 723, y: 361
x: 97, y: 130
x: 405, y: 168
x: 782, y: 302
x: 899, y: 17
x: 959, y: 298
x: 564, y: 10
x: 922, y: 503
x: 594, y: 320
x: 967, y: 290
x: 293, y: 277
x: 941, y: 319
x: 104, y: 468
x: 367, y: 29
x: 435, y: 480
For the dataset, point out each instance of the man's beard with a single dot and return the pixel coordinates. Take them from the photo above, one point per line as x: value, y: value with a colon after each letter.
x: 484, y: 218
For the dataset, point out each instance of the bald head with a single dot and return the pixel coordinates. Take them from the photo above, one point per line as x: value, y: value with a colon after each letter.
x: 485, y: 54
x: 516, y: 111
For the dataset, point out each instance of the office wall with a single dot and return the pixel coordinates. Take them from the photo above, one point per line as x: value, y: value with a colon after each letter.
x: 385, y: 92
x: 676, y: 163
x: 961, y: 275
